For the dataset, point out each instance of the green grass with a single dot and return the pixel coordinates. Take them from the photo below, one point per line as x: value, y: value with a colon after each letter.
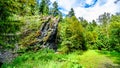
x: 113, y: 55
x: 46, y: 58
x: 93, y: 59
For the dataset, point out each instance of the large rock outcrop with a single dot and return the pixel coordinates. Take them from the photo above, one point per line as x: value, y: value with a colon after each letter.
x: 48, y: 33
x: 44, y: 36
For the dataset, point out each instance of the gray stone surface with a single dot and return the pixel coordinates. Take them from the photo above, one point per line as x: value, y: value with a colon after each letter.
x: 48, y: 32
x: 7, y: 56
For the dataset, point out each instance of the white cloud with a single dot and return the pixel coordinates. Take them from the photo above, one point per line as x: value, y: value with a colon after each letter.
x: 89, y: 1
x: 94, y: 12
x: 89, y: 13
x: 67, y: 4
x: 53, y: 0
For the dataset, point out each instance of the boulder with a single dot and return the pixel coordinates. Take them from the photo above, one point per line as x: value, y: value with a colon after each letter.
x: 6, y: 56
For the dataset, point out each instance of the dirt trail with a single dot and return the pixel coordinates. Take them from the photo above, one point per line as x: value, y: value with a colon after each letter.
x: 92, y: 59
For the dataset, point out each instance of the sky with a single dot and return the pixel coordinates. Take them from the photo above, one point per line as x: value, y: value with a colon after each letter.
x: 88, y: 9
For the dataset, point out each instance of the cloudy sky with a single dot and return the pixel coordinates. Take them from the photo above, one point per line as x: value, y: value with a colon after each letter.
x: 89, y: 9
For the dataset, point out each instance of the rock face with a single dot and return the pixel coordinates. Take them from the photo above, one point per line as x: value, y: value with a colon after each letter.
x: 48, y: 33
x: 44, y: 36
x: 6, y: 57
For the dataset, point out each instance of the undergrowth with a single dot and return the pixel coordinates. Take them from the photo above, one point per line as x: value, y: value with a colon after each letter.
x: 44, y: 58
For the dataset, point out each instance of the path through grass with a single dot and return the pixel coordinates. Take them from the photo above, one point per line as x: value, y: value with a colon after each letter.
x: 93, y: 59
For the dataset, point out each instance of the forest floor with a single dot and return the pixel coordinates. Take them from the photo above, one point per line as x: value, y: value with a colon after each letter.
x: 94, y: 59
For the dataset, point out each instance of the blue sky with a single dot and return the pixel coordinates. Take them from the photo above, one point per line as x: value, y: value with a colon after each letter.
x: 89, y: 9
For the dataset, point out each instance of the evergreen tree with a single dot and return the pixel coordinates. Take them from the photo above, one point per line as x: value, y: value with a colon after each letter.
x: 94, y: 23
x: 71, y: 13
x: 7, y: 8
x: 44, y: 7
x: 104, y: 19
x: 83, y: 22
x: 55, y: 11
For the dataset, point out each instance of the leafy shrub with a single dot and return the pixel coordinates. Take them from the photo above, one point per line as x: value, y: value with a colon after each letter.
x: 108, y: 36
x: 102, y: 41
x: 9, y: 32
x: 91, y: 39
x: 72, y: 35
x: 115, y: 35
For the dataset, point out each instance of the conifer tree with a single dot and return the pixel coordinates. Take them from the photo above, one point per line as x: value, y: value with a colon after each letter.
x: 71, y: 13
x: 104, y: 18
x: 55, y: 11
x: 44, y: 7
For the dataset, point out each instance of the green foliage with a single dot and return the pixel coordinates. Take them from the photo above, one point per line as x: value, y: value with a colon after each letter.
x: 90, y: 27
x: 55, y: 11
x: 83, y: 22
x: 91, y: 39
x: 71, y: 34
x: 94, y: 23
x: 44, y: 58
x: 100, y: 39
x: 10, y: 26
x: 44, y: 7
x: 9, y: 34
x: 26, y: 7
x: 10, y: 23
x: 6, y: 8
x: 115, y: 35
x: 115, y: 18
x: 90, y: 33
x: 20, y: 7
x: 108, y: 35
